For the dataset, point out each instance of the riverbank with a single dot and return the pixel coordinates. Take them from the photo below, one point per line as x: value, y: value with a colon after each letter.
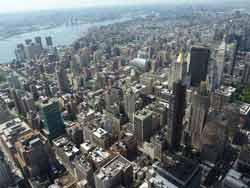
x: 62, y: 35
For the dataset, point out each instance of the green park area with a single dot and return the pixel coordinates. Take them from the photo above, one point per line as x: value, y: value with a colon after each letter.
x: 245, y: 96
x: 242, y: 93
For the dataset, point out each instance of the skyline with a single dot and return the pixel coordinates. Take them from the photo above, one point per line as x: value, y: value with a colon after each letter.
x: 12, y: 6
x: 122, y: 93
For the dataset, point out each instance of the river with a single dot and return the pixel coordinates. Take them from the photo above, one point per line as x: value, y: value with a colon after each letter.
x: 63, y: 35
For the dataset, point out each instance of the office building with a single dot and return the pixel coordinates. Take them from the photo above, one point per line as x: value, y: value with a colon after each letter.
x: 62, y: 79
x: 51, y: 118
x: 49, y: 42
x: 10, y: 174
x: 101, y: 138
x: 32, y: 50
x: 235, y: 179
x: 220, y: 63
x: 35, y: 157
x: 19, y: 105
x: 198, y: 64
x: 20, y: 53
x: 221, y: 97
x: 176, y: 113
x: 117, y: 172
x: 11, y: 131
x: 38, y: 40
x: 143, y: 125
x: 176, y: 172
x: 14, y: 81
x: 199, y: 112
x: 66, y: 151
x: 214, y: 137
x: 129, y: 100
x: 178, y: 70
x: 84, y: 170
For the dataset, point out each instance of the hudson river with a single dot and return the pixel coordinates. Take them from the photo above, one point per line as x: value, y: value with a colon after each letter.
x: 63, y: 35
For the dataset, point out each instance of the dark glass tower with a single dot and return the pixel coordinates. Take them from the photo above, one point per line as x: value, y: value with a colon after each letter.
x: 175, y: 115
x: 49, y: 41
x: 198, y: 65
x: 52, y: 120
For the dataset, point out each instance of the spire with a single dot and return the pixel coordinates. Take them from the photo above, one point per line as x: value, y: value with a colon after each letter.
x: 181, y: 57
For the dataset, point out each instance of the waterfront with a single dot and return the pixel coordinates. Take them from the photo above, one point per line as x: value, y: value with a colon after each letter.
x: 63, y: 35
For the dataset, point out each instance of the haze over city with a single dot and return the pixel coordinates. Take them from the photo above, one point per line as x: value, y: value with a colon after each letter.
x: 32, y: 5
x: 125, y: 94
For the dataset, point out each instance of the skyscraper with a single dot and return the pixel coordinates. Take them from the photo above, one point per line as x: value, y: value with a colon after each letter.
x: 14, y: 82
x: 19, y: 106
x: 49, y: 41
x: 143, y: 125
x: 38, y: 40
x: 220, y: 62
x: 129, y: 100
x: 198, y: 64
x: 62, y: 79
x: 199, y: 112
x: 175, y: 115
x: 178, y: 70
x: 52, y: 120
x: 19, y: 53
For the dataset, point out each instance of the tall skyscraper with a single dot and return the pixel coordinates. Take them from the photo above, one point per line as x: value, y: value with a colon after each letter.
x: 198, y: 64
x: 175, y: 115
x: 19, y: 52
x: 52, y: 120
x: 220, y: 62
x: 214, y: 137
x: 178, y: 70
x: 62, y: 79
x: 129, y: 100
x: 19, y: 105
x: 49, y: 41
x: 38, y: 40
x: 14, y: 82
x: 143, y: 125
x: 199, y: 112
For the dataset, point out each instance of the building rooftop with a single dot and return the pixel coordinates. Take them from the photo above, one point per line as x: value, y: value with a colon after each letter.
x: 113, y: 167
x: 82, y: 163
x: 99, y: 155
x: 142, y: 114
x: 226, y: 91
x: 100, y: 133
x: 236, y: 179
x: 68, y: 147
x: 12, y: 130
x: 46, y: 102
x: 245, y: 109
x: 86, y: 147
x: 177, y: 170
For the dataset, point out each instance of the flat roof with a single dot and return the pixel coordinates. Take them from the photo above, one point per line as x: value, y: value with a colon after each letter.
x: 177, y: 170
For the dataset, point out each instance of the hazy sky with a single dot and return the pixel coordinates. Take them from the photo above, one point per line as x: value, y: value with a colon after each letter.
x: 24, y: 5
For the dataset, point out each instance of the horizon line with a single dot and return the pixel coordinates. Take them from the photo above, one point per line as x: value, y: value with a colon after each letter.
x: 116, y: 5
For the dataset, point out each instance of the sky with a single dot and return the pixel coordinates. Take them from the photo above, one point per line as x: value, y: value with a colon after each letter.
x: 30, y: 5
